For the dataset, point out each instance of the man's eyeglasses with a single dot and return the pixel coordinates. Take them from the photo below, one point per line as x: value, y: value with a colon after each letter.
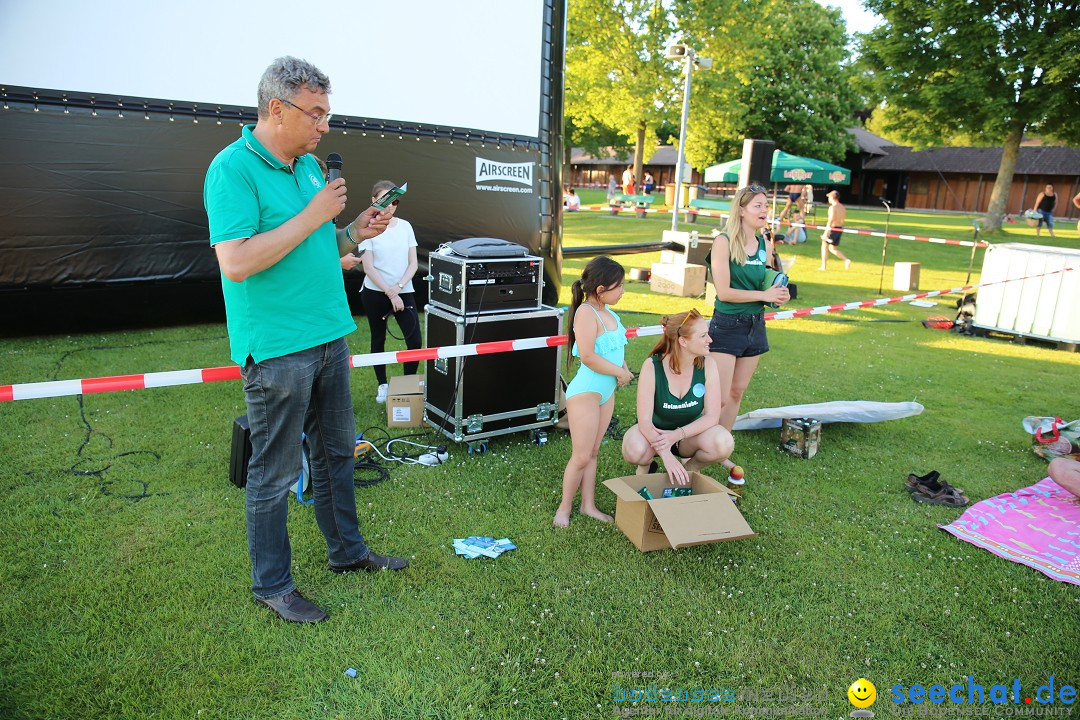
x: 319, y: 119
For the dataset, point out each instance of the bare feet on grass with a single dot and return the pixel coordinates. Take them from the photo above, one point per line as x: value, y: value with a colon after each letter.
x: 595, y: 513
x: 562, y: 518
x: 847, y: 264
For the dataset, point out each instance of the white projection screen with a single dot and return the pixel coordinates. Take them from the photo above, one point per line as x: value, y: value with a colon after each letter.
x: 422, y: 61
x: 112, y: 111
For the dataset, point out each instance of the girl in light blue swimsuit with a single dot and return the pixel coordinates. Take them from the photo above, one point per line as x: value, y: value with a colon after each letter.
x: 609, y: 345
x: 599, y: 339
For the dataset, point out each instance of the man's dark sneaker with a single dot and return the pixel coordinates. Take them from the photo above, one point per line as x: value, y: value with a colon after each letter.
x: 294, y: 607
x: 373, y: 562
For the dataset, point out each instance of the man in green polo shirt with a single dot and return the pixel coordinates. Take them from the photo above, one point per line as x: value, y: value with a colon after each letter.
x: 271, y: 224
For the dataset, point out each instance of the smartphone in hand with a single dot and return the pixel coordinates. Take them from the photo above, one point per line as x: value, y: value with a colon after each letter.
x: 390, y: 197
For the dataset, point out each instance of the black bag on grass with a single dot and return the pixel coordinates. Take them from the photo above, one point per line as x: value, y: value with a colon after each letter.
x: 241, y: 452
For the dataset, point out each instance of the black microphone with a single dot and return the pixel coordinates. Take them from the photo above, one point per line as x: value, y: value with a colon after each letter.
x: 333, y: 167
x: 333, y: 170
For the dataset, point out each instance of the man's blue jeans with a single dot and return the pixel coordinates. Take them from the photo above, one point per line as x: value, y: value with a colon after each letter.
x: 305, y: 392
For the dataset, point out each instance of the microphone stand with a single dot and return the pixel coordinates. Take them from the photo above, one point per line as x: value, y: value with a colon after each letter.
x: 885, y: 245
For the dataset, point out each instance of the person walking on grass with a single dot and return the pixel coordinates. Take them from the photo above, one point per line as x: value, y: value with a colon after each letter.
x: 678, y: 403
x: 598, y: 337
x: 1044, y: 205
x: 794, y: 200
x: 1076, y: 204
x: 389, y: 265
x: 830, y: 239
x: 739, y: 258
x: 271, y: 215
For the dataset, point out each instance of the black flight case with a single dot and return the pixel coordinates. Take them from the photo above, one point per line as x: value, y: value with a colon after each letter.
x: 473, y: 398
x: 485, y: 285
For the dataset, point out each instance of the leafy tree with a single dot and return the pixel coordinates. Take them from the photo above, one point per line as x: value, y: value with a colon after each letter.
x: 594, y: 139
x: 978, y: 69
x: 781, y: 71
x: 617, y: 81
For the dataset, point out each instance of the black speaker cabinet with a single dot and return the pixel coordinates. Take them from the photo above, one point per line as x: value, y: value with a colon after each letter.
x: 756, y: 162
x: 480, y: 396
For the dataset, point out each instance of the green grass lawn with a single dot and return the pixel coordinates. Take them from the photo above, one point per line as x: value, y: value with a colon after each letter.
x: 126, y: 584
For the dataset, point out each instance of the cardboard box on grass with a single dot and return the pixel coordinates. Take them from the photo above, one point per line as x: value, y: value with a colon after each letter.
x: 707, y: 516
x: 405, y: 401
x: 682, y: 279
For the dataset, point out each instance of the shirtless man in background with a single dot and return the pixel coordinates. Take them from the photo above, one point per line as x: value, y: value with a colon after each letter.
x: 830, y: 239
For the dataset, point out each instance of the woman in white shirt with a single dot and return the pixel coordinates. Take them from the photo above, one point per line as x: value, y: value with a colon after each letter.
x: 389, y: 266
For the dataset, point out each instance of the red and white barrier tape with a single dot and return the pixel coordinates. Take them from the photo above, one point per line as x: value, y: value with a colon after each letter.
x: 616, y: 209
x: 850, y: 231
x: 87, y: 386
x: 876, y: 233
x: 822, y: 309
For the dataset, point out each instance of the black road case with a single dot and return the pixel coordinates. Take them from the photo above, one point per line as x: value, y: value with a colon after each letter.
x: 485, y: 285
x: 477, y: 397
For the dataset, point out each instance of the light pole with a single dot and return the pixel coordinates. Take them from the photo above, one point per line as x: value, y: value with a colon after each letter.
x: 685, y: 53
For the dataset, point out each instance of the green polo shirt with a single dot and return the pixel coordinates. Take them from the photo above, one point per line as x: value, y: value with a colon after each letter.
x: 299, y: 302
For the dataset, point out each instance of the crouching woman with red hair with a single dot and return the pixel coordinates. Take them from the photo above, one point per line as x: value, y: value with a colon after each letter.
x: 678, y: 403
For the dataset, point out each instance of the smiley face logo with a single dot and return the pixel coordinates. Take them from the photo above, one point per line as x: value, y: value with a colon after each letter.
x: 862, y: 693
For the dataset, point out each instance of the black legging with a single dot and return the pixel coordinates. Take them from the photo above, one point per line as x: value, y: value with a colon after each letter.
x: 377, y: 307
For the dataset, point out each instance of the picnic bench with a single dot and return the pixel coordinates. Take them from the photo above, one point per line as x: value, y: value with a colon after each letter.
x: 639, y: 203
x: 702, y: 204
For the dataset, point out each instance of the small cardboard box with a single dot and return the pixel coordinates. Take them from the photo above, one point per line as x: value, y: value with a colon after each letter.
x: 906, y: 276
x: 800, y: 437
x: 707, y: 516
x: 672, y: 257
x: 695, y: 248
x: 405, y: 401
x: 684, y: 280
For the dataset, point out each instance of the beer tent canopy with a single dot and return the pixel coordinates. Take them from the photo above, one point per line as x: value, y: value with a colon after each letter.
x: 786, y: 168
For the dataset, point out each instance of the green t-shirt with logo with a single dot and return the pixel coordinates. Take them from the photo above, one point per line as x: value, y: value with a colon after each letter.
x: 750, y: 276
x: 299, y: 302
x: 670, y: 412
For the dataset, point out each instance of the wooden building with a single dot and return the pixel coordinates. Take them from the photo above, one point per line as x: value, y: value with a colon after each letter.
x: 587, y: 170
x: 958, y: 178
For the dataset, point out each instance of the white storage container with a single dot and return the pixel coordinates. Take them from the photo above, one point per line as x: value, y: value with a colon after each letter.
x: 1046, y: 307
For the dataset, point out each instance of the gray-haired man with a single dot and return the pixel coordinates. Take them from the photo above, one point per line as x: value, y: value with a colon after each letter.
x: 271, y: 213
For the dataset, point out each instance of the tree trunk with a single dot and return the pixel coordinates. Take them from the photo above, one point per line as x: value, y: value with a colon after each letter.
x: 639, y: 156
x: 999, y: 196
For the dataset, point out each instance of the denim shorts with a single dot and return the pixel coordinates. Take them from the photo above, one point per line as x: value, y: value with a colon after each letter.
x: 1047, y: 218
x: 738, y: 335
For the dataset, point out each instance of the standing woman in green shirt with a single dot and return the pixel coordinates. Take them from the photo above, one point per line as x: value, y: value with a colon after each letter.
x: 739, y: 258
x: 678, y: 403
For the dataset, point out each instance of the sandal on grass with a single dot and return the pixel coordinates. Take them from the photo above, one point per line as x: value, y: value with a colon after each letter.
x: 914, y: 482
x: 949, y: 497
x: 929, y: 481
